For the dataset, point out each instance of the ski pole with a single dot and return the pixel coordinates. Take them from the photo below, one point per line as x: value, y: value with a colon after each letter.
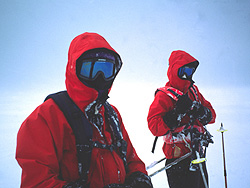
x: 172, y: 163
x: 201, y: 168
x: 155, y: 163
x: 222, y: 130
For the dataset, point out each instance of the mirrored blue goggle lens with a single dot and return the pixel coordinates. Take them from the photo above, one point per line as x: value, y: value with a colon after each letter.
x: 189, y: 71
x: 107, y: 68
x: 85, y: 69
x: 186, y: 70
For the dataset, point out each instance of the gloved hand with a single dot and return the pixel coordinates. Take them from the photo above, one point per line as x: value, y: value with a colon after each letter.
x: 183, y: 104
x: 202, y: 113
x: 76, y: 184
x: 170, y: 118
x: 115, y: 185
x: 138, y: 180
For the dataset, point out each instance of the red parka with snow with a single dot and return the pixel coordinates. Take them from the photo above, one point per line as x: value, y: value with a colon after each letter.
x: 46, y: 149
x: 175, y: 147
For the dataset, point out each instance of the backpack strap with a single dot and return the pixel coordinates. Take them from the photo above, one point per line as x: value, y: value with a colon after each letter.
x: 81, y: 127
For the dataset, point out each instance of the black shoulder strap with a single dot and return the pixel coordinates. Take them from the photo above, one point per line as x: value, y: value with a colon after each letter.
x: 74, y: 116
x: 155, y: 141
x: 81, y: 127
x: 154, y: 144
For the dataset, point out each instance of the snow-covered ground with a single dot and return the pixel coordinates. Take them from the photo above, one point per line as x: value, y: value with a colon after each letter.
x: 133, y: 100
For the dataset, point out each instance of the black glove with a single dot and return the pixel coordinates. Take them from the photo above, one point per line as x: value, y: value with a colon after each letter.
x: 138, y: 180
x: 170, y: 118
x: 76, y: 184
x: 202, y: 113
x: 114, y: 185
x: 183, y: 104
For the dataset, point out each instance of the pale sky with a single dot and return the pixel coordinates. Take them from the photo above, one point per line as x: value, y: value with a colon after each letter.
x: 35, y: 36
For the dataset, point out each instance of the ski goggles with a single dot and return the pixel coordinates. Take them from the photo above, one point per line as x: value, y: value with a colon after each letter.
x: 186, y: 72
x: 90, y: 69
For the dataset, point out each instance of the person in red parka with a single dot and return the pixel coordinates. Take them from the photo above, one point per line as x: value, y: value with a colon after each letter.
x: 176, y: 108
x: 46, y: 147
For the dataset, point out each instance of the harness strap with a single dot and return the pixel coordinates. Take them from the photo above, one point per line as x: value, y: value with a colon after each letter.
x: 79, y: 124
x: 154, y: 144
x: 155, y: 141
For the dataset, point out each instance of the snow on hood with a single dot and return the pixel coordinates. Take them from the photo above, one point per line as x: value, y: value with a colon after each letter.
x: 176, y: 60
x: 80, y: 93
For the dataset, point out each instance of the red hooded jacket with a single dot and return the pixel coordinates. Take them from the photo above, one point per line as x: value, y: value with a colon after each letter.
x: 164, y: 103
x: 46, y: 149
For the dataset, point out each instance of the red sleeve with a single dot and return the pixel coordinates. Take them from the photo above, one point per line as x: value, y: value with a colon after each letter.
x: 161, y: 104
x: 207, y: 104
x: 36, y: 153
x: 134, y: 162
